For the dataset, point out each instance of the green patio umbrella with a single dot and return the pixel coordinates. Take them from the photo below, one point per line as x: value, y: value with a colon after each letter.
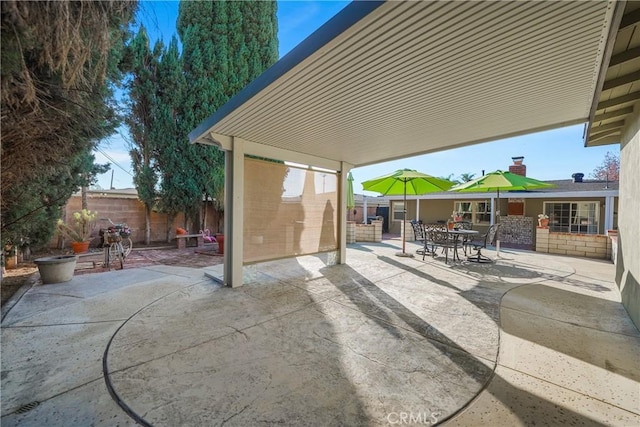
x: 406, y: 181
x: 500, y: 180
x: 351, y: 200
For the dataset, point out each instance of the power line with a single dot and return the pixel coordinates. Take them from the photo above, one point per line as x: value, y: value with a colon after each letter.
x: 113, y: 161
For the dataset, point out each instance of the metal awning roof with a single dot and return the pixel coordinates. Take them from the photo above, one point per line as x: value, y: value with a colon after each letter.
x: 388, y: 80
x: 619, y: 90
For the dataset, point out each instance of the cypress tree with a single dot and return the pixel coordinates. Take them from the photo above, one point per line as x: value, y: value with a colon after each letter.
x: 142, y: 63
x: 226, y: 45
x: 178, y: 185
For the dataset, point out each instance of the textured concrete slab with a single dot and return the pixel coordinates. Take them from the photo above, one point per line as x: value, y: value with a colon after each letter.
x: 39, y: 363
x: 517, y: 399
x: 306, y: 342
x: 357, y: 369
x: 568, y: 356
x: 87, y: 405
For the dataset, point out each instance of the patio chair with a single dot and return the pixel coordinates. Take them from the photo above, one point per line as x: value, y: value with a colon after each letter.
x: 418, y: 233
x: 482, y: 242
x: 439, y: 237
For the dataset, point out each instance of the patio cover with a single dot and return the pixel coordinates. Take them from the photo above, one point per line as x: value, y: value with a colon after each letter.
x: 388, y: 80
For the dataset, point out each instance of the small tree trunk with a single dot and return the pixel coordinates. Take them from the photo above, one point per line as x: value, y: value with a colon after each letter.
x: 147, y: 226
x: 170, y: 219
x: 83, y: 192
x: 204, y: 212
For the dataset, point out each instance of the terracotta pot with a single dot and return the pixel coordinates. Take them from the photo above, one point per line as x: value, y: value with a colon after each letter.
x: 220, y: 240
x: 80, y: 247
x: 11, y: 262
x: 543, y: 222
x: 450, y: 225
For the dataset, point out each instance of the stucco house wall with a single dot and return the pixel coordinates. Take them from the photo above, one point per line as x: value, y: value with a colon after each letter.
x: 628, y: 256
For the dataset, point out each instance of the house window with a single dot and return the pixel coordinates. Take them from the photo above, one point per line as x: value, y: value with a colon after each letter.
x: 573, y: 217
x: 475, y: 212
x: 397, y: 209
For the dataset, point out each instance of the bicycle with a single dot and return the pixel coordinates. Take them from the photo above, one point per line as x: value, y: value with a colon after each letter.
x: 116, y: 243
x: 125, y: 232
x: 113, y: 250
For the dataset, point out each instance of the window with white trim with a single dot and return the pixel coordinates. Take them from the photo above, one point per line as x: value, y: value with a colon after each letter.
x: 397, y: 211
x: 573, y: 217
x: 475, y: 212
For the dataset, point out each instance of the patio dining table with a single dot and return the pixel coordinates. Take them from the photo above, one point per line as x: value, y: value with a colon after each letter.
x: 459, y: 237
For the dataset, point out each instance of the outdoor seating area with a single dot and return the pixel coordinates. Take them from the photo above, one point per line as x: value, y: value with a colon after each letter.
x: 438, y: 239
x: 350, y: 344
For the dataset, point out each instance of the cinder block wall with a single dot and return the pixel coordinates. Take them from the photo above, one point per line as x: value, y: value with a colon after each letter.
x: 369, y: 232
x: 131, y: 211
x: 584, y: 245
x: 351, y: 232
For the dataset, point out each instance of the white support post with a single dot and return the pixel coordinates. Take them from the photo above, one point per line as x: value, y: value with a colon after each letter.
x: 364, y: 209
x: 608, y: 213
x: 236, y: 221
x: 342, y: 213
x: 228, y: 217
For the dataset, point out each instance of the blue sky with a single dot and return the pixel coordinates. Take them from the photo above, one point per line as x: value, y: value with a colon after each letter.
x: 554, y: 154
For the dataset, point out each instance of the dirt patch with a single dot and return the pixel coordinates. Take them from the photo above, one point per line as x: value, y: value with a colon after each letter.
x: 14, y: 278
x: 93, y: 262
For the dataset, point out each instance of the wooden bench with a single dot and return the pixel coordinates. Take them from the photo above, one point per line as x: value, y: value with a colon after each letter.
x: 181, y: 239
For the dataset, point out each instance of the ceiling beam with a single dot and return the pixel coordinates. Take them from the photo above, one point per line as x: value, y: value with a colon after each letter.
x: 631, y: 97
x: 612, y: 114
x: 620, y: 81
x: 614, y: 125
x: 614, y: 25
x: 605, y: 141
x: 625, y: 56
x: 629, y: 19
x: 606, y: 133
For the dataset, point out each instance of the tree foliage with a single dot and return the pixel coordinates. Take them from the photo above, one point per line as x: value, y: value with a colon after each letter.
x: 57, y: 61
x: 466, y: 177
x: 225, y: 46
x: 142, y: 64
x: 178, y: 184
x: 609, y: 169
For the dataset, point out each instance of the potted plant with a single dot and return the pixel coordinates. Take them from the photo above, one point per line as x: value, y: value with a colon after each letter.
x: 543, y: 220
x: 79, y: 230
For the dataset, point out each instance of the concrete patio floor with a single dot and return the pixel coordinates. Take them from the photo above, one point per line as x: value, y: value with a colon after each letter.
x: 532, y: 339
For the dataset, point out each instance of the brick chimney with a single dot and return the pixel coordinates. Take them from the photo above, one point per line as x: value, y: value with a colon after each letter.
x: 517, y: 167
x: 577, y: 177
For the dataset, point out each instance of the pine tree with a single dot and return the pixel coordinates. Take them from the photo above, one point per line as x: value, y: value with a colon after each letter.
x: 59, y: 62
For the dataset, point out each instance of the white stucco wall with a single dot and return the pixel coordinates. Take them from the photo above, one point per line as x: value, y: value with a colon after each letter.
x: 628, y: 256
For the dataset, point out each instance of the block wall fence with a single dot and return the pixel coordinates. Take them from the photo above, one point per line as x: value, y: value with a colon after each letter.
x: 583, y: 245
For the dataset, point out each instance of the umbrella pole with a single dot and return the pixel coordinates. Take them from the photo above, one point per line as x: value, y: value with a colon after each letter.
x: 497, y: 221
x: 404, y: 218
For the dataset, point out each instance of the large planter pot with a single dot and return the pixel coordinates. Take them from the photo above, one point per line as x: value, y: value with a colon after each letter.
x: 543, y: 222
x: 80, y: 247
x: 11, y: 261
x: 56, y: 269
